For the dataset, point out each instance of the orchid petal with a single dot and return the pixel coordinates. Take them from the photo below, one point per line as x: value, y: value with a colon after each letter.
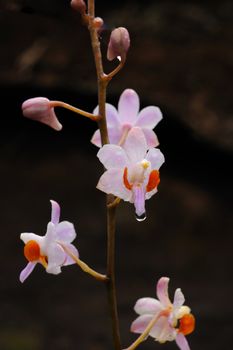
x: 149, y: 117
x: 26, y: 271
x: 151, y: 138
x: 178, y: 299
x: 111, y: 115
x: 128, y: 107
x: 55, y: 214
x: 114, y: 135
x: 140, y: 324
x: 96, y: 139
x: 162, y: 331
x: 151, y: 193
x: 65, y: 232
x: 135, y: 145
x: 155, y: 157
x: 112, y: 156
x: 56, y: 257
x: 162, y: 291
x: 112, y: 182
x: 182, y: 342
x: 26, y: 237
x: 49, y: 238
x: 139, y: 200
x: 74, y: 251
x: 148, y: 306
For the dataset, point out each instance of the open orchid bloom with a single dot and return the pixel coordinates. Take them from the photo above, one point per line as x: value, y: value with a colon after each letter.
x: 38, y: 108
x: 120, y: 122
x: 48, y: 250
x: 175, y: 321
x: 132, y: 172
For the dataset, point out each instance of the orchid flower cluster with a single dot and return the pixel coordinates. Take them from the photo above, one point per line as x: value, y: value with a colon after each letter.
x: 128, y: 149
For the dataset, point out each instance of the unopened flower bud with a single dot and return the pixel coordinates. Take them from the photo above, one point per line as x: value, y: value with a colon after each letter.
x: 98, y: 23
x: 79, y: 5
x: 38, y: 108
x: 118, y: 44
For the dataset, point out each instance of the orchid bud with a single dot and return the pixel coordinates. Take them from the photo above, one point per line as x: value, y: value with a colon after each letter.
x: 98, y: 23
x: 39, y: 108
x: 118, y: 44
x: 79, y: 5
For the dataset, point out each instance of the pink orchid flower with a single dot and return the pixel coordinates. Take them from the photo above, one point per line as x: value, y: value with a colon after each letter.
x: 39, y: 109
x: 132, y: 172
x: 120, y: 122
x: 48, y: 250
x: 174, y: 320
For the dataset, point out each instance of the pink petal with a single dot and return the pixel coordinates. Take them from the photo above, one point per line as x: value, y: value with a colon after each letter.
x: 151, y: 138
x: 147, y: 306
x: 26, y: 237
x: 182, y: 342
x: 151, y: 193
x: 135, y: 145
x: 56, y: 258
x: 155, y: 157
x: 26, y: 271
x: 128, y: 107
x: 162, y: 291
x: 65, y: 232
x: 139, y: 200
x: 111, y: 115
x: 112, y: 156
x: 96, y: 139
x: 114, y: 135
x: 112, y: 182
x: 73, y: 250
x: 162, y: 331
x: 140, y: 324
x: 49, y: 238
x: 149, y: 117
x: 178, y: 299
x: 55, y: 214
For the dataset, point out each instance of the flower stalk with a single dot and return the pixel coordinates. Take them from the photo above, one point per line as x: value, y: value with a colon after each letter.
x: 85, y: 267
x: 111, y: 210
x: 74, y: 109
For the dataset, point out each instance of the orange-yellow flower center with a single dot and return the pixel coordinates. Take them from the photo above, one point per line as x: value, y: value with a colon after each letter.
x: 187, y: 324
x: 153, y: 180
x: 32, y: 251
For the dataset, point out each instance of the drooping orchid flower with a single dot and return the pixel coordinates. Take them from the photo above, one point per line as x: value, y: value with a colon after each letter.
x: 167, y: 321
x: 48, y: 250
x: 132, y: 173
x: 120, y: 122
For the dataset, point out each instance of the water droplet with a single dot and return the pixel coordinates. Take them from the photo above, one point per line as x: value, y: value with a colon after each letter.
x: 140, y: 217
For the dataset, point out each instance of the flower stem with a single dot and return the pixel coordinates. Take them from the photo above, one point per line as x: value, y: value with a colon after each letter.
x: 85, y: 267
x: 110, y: 75
x: 111, y: 210
x: 74, y: 109
x: 111, y: 285
x: 146, y: 332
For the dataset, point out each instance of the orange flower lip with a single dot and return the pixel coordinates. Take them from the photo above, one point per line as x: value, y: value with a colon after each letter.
x: 32, y: 251
x: 187, y: 324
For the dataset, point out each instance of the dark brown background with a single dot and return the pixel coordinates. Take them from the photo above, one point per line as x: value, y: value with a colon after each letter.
x: 180, y: 59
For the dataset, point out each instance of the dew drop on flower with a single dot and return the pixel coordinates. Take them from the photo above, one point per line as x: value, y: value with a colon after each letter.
x: 140, y: 217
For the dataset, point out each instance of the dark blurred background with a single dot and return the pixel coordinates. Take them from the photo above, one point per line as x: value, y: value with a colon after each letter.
x: 181, y: 60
